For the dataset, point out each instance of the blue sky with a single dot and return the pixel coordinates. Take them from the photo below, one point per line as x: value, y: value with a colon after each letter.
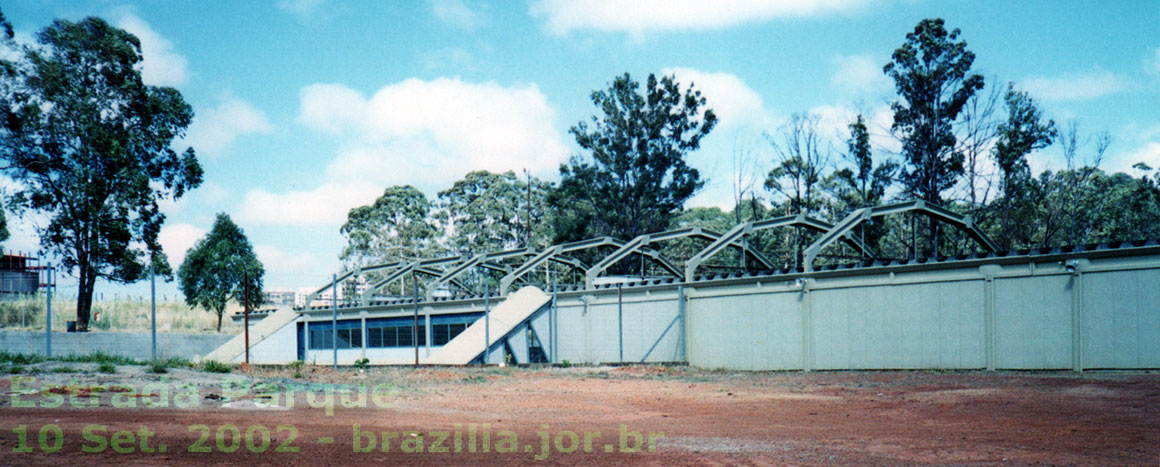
x: 306, y: 108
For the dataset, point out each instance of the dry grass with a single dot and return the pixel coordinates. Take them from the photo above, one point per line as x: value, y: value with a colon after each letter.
x: 128, y: 315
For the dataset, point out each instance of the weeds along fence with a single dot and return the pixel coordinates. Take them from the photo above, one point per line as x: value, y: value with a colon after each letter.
x: 27, y: 312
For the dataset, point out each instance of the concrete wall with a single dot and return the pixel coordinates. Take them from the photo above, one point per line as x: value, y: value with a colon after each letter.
x: 1030, y: 312
x: 1033, y: 315
x: 125, y: 344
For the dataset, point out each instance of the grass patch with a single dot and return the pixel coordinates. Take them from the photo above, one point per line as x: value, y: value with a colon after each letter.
x: 20, y: 358
x: 107, y: 367
x: 64, y: 369
x: 100, y: 357
x: 213, y: 366
x: 116, y: 313
x: 158, y: 368
x: 12, y: 369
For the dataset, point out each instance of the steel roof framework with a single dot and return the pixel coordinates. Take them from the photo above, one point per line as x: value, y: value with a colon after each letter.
x: 845, y: 226
x: 642, y: 241
x: 445, y: 270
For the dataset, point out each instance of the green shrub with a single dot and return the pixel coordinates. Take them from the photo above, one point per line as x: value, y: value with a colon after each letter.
x: 362, y: 363
x: 20, y: 359
x: 158, y: 368
x: 64, y: 369
x: 214, y: 366
x: 107, y: 367
x: 101, y: 357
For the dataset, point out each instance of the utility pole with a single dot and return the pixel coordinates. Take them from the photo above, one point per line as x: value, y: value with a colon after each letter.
x: 334, y: 318
x: 486, y: 321
x: 48, y: 320
x: 246, y: 310
x: 415, y: 327
x: 528, y: 235
x: 153, y: 315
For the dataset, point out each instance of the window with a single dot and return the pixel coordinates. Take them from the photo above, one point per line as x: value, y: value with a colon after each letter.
x: 349, y: 334
x: 446, y: 327
x: 394, y: 332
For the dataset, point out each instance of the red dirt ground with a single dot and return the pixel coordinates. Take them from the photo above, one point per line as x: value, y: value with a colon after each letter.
x: 706, y: 418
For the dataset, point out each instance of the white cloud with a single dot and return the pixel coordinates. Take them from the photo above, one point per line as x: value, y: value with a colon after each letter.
x: 458, y: 14
x: 424, y: 133
x: 331, y: 107
x: 1075, y: 86
x: 1148, y: 153
x: 177, y: 239
x: 276, y: 261
x: 161, y: 66
x: 834, y: 122
x: 326, y: 204
x: 734, y: 102
x: 859, y: 74
x: 564, y: 16
x: 213, y: 130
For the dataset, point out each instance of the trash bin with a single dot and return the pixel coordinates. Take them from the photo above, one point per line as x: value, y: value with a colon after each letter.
x: 71, y: 326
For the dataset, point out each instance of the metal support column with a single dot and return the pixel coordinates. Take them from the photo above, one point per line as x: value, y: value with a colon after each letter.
x: 620, y: 318
x: 153, y: 317
x: 415, y: 325
x: 486, y: 322
x: 334, y: 319
x: 48, y: 319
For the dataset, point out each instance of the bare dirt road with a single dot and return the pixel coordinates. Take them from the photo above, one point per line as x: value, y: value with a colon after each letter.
x: 576, y: 416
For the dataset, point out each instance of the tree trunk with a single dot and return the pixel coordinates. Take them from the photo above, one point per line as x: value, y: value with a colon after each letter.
x: 219, y: 321
x: 85, y: 285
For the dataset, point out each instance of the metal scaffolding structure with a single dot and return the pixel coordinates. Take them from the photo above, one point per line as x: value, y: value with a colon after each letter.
x: 445, y: 271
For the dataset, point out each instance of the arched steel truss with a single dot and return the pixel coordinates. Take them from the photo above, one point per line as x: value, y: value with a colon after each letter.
x: 741, y: 230
x: 637, y: 244
x: 445, y: 270
x: 845, y: 226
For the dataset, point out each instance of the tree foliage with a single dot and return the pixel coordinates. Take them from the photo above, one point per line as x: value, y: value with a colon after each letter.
x: 1024, y: 131
x: 397, y: 226
x: 490, y: 212
x: 637, y: 177
x: 216, y: 269
x: 931, y: 73
x: 90, y: 144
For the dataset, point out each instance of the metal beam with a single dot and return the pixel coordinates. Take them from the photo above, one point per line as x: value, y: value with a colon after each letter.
x: 740, y: 230
x: 638, y: 244
x: 964, y: 223
x: 552, y: 252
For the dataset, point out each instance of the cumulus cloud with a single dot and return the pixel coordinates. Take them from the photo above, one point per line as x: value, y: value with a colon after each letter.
x: 276, y: 261
x: 734, y: 102
x: 834, y: 122
x: 162, y: 66
x: 424, y: 133
x: 859, y: 74
x: 177, y: 239
x: 213, y: 130
x: 1075, y: 86
x: 563, y: 16
x: 326, y: 204
x: 458, y: 14
x: 1148, y: 153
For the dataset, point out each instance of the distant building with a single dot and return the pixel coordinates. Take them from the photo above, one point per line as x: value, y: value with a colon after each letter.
x: 19, y: 275
x: 277, y: 296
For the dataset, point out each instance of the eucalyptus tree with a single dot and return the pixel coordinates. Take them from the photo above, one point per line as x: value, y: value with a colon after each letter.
x: 91, y: 147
